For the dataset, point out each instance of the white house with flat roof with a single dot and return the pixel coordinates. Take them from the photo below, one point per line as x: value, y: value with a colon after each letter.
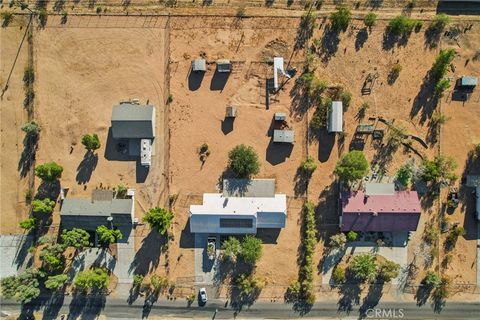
x: 242, y: 209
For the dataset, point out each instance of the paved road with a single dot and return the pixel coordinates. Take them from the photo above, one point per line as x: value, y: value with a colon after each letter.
x: 119, y: 309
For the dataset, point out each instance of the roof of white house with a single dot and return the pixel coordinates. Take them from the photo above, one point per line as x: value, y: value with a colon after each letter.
x: 335, y: 117
x: 216, y: 203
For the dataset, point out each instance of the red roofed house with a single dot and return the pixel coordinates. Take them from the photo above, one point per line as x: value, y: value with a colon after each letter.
x: 398, y: 211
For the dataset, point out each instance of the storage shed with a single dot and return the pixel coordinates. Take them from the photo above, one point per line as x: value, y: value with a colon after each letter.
x: 231, y: 112
x: 468, y: 82
x: 283, y: 136
x: 280, y: 116
x: 199, y: 65
x: 224, y: 66
x: 335, y: 117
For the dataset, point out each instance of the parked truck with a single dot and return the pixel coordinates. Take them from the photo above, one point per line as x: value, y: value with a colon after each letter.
x: 211, y: 249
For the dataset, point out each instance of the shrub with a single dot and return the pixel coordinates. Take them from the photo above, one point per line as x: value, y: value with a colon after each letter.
x: 240, y: 12
x: 318, y: 119
x: 442, y: 61
x: 352, y: 166
x: 346, y: 97
x: 137, y: 279
x: 56, y: 282
x: 441, y: 86
x: 370, y: 19
x: 338, y: 275
x: 191, y: 298
x: 96, y: 278
x: 308, y: 247
x: 49, y: 171
x: 42, y: 17
x: 91, y: 142
x: 340, y: 18
x: 396, y: 136
x: 388, y: 270
x: 454, y: 234
x: 431, y: 234
x: 7, y: 17
x: 363, y: 267
x: 64, y: 17
x: 443, y: 290
x: 251, y: 249
x: 44, y: 206
x: 121, y: 191
x: 337, y: 241
x: 159, y: 219
x: 158, y: 283
x: 308, y: 165
x: 404, y: 174
x: 77, y: 238
x: 28, y: 75
x: 396, y: 69
x: 352, y: 235
x: 23, y: 287
x: 243, y: 161
x: 440, y: 169
x: 28, y: 196
x: 31, y: 129
x: 440, y: 21
x: 402, y: 25
x: 107, y: 235
x: 432, y: 280
x: 28, y: 224
x: 249, y: 285
x: 231, y: 248
x: 439, y: 118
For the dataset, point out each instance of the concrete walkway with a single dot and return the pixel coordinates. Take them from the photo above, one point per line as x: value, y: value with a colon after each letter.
x: 14, y: 253
x: 125, y: 256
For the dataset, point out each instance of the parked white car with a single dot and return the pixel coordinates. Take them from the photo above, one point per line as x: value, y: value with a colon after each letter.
x: 203, y: 295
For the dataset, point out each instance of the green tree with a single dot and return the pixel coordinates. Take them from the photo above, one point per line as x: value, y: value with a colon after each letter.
x: 405, y: 174
x: 52, y: 257
x: 442, y: 61
x: 440, y: 169
x: 158, y: 283
x: 402, y: 25
x: 364, y: 267
x: 443, y: 290
x: 432, y: 280
x: 91, y: 142
x: 107, y: 235
x: 337, y: 241
x: 49, y: 171
x: 231, y: 248
x: 159, y: 219
x: 340, y: 18
x: 96, y: 278
x: 388, y: 270
x: 440, y: 21
x: 56, y: 282
x: 352, y: 166
x: 31, y: 129
x: 28, y: 224
x: 77, y: 238
x: 370, y: 19
x: 121, y: 191
x: 44, y: 206
x: 308, y: 165
x: 352, y: 235
x: 251, y: 249
x: 23, y: 287
x: 243, y: 160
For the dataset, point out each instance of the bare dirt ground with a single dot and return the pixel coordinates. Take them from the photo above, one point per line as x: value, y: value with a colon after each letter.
x: 12, y: 117
x: 97, y: 62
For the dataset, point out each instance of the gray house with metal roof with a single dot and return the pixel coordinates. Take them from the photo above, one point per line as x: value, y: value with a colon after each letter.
x: 136, y: 124
x: 131, y: 121
x: 102, y: 209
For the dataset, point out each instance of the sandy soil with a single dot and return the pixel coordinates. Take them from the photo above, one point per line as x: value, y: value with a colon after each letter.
x: 12, y: 117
